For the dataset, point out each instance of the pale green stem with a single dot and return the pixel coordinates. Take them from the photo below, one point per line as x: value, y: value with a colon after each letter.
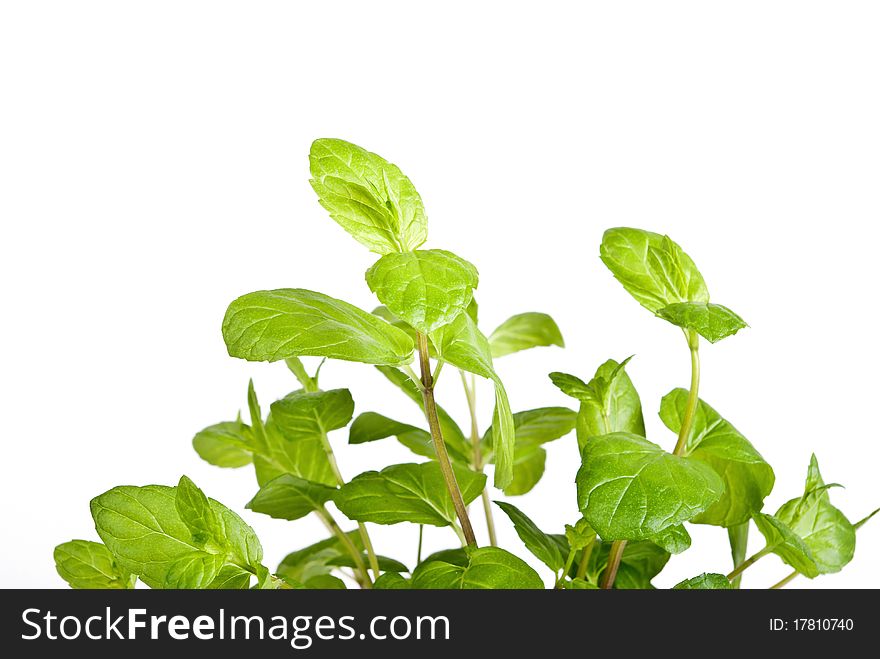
x: 742, y: 567
x: 333, y: 527
x: 419, y: 550
x: 470, y: 392
x: 585, y: 559
x: 693, y: 399
x: 782, y: 582
x: 739, y: 541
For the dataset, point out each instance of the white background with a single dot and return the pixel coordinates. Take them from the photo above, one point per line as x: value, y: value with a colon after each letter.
x: 153, y: 166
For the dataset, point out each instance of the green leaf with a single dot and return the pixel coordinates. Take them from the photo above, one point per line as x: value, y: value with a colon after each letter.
x: 325, y: 582
x: 536, y: 541
x: 705, y: 581
x: 487, y: 568
x: 458, y: 445
x: 308, y: 562
x: 296, y: 367
x: 786, y: 544
x: 296, y: 431
x: 531, y: 429
x: 90, y: 565
x: 524, y: 331
x: 609, y: 402
x: 711, y: 321
x: 639, y: 564
x: 865, y: 519
x: 367, y: 196
x: 653, y: 268
x: 198, y: 515
x: 195, y: 570
x: 386, y: 564
x: 258, y: 429
x: 231, y: 577
x: 748, y: 479
x: 631, y: 489
x: 406, y: 493
x: 145, y: 533
x: 370, y: 426
x: 427, y: 289
x: 674, y: 539
x: 463, y: 345
x: 392, y: 581
x: 227, y: 444
x: 289, y: 497
x: 580, y: 584
x: 293, y: 322
x: 580, y: 535
x: 826, y: 531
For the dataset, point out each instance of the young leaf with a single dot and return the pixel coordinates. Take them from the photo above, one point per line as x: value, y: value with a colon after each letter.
x: 370, y: 426
x: 406, y: 493
x: 524, y: 331
x: 90, y: 565
x: 631, y: 489
x: 293, y: 322
x: 458, y: 445
x: 289, y: 497
x: 609, y: 402
x: 748, y: 479
x: 826, y: 531
x: 296, y: 430
x: 674, y: 539
x: 653, y: 268
x: 198, y: 515
x: 426, y: 288
x: 145, y: 533
x: 580, y: 535
x: 296, y: 367
x: 392, y: 581
x: 367, y: 196
x: 711, y: 321
x: 865, y: 519
x: 463, y: 345
x: 705, y: 581
x: 226, y: 444
x: 487, y: 568
x: 544, y: 548
x: 786, y: 544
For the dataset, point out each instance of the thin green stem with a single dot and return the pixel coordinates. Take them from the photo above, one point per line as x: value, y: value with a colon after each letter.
x: 414, y: 377
x: 742, y: 567
x: 333, y: 527
x: 419, y: 550
x: 782, y: 582
x: 439, y: 444
x: 566, y: 569
x: 362, y: 529
x: 437, y: 370
x: 585, y: 559
x: 614, y: 556
x: 739, y: 542
x: 693, y: 399
x: 460, y: 534
x: 470, y: 392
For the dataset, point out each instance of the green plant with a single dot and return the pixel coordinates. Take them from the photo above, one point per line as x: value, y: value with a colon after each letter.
x: 633, y: 495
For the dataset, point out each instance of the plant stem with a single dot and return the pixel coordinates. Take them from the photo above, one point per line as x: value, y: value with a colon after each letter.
x: 565, y: 570
x: 362, y: 529
x: 614, y: 556
x: 779, y: 584
x: 739, y: 541
x: 585, y: 558
x: 693, y: 399
x: 739, y: 569
x: 333, y: 527
x: 439, y: 444
x: 470, y: 392
x: 419, y: 550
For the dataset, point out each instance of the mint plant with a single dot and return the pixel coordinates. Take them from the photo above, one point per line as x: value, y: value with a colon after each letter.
x: 634, y: 496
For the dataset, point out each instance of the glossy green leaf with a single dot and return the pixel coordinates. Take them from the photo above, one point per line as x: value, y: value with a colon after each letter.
x: 293, y: 322
x: 143, y: 530
x: 524, y: 331
x: 705, y: 581
x: 199, y: 516
x: 90, y: 565
x: 826, y: 531
x: 231, y: 577
x: 528, y: 467
x: 226, y: 444
x: 458, y: 445
x: 296, y: 430
x: 406, y: 493
x: 392, y: 581
x: 748, y: 479
x: 386, y: 564
x: 427, y: 289
x: 786, y: 544
x: 652, y: 268
x: 535, y: 540
x: 289, y: 497
x: 711, y: 321
x: 196, y: 570
x: 487, y: 568
x: 367, y: 196
x: 370, y: 426
x: 462, y: 345
x: 673, y: 539
x: 608, y: 403
x: 631, y: 489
